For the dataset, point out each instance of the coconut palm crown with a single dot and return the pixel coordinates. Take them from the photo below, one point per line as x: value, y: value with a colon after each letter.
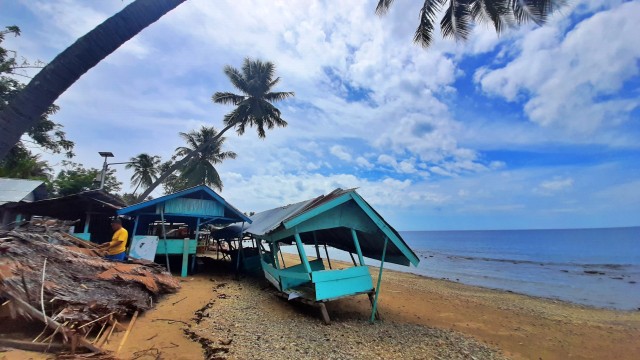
x: 146, y: 169
x: 200, y: 169
x: 253, y: 107
x: 461, y: 15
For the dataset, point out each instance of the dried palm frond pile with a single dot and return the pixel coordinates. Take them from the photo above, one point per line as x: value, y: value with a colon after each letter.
x: 81, y: 291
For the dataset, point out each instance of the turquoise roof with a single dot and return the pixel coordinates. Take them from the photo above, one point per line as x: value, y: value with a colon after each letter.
x: 215, y: 208
x: 332, y: 217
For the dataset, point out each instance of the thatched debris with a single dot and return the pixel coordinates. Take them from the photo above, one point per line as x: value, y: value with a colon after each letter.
x: 81, y: 291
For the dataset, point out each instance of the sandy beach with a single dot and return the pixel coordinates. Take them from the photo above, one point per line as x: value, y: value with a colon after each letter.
x: 215, y: 316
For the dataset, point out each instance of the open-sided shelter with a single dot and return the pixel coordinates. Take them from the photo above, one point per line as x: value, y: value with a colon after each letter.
x: 341, y: 219
x: 184, y: 213
x: 92, y: 210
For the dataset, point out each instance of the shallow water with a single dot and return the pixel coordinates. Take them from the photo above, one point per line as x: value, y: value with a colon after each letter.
x: 597, y: 267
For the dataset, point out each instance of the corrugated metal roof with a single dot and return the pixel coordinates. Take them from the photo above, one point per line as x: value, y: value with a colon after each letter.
x: 73, y: 206
x: 275, y: 222
x: 14, y: 190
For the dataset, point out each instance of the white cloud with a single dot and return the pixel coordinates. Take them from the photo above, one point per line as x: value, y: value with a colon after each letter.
x: 340, y: 152
x: 573, y: 81
x: 551, y: 187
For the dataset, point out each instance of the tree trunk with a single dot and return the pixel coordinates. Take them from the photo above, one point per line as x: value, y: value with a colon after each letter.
x: 181, y: 163
x: 55, y: 78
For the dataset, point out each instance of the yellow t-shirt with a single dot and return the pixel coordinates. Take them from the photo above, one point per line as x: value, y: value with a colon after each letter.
x: 123, y: 235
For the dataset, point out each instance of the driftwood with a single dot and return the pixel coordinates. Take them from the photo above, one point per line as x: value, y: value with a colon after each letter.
x: 126, y: 334
x: 33, y: 312
x: 31, y: 346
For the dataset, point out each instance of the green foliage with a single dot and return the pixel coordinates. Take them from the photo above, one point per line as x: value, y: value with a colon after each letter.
x: 145, y: 170
x: 174, y: 182
x: 20, y: 163
x: 253, y: 108
x: 460, y: 16
x: 200, y: 169
x: 74, y: 178
x: 45, y: 134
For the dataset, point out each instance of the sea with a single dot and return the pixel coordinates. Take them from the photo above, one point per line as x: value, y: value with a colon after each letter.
x: 595, y: 267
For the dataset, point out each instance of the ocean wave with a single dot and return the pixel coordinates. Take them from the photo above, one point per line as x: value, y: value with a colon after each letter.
x: 429, y: 254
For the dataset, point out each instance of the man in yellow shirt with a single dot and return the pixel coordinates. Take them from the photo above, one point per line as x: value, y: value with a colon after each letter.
x: 115, y: 249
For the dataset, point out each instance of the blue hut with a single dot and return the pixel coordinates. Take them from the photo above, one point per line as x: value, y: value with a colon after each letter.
x: 341, y: 219
x: 176, y: 220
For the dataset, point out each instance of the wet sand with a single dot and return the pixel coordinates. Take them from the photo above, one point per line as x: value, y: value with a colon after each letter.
x: 518, y: 326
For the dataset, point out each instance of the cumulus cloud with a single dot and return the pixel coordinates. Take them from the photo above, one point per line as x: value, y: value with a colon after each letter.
x: 572, y: 77
x: 340, y: 152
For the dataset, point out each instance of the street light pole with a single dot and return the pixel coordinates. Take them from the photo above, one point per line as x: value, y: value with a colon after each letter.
x: 105, y: 154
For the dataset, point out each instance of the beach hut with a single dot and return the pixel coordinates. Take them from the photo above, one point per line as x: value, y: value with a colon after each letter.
x: 341, y: 219
x: 174, y: 221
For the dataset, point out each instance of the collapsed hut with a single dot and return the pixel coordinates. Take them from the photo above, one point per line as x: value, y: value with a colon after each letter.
x: 342, y: 220
x: 50, y: 276
x: 91, y: 210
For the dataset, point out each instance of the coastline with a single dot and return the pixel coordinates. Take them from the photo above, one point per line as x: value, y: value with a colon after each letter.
x: 428, y: 317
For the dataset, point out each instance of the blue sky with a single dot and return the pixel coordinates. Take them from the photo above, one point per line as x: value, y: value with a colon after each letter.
x: 537, y: 128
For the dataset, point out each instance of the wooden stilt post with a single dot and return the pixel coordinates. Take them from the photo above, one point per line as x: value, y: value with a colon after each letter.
x: 353, y: 259
x: 375, y: 300
x: 239, y: 251
x: 327, y: 253
x: 325, y: 314
x: 133, y: 233
x: 315, y: 242
x: 357, y: 245
x: 164, y: 240
x: 197, y: 235
x: 302, y: 253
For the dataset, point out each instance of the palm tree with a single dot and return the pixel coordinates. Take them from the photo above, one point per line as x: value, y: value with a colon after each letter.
x: 22, y: 164
x: 460, y: 15
x: 253, y: 107
x: 200, y: 169
x: 25, y: 109
x: 145, y: 170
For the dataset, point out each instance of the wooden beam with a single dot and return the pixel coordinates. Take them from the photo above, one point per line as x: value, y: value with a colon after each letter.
x: 164, y: 240
x: 356, y: 243
x: 375, y: 300
x: 302, y: 253
x: 31, y: 346
x: 52, y: 324
x: 327, y: 253
x: 126, y: 334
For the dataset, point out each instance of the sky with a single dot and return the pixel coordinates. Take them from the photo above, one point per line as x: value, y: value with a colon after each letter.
x: 536, y: 128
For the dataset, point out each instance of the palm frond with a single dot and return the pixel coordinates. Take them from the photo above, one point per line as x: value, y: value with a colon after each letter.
x: 383, y: 7
x: 457, y: 22
x: 227, y: 98
x: 278, y: 96
x: 424, y: 32
x: 535, y: 11
x: 273, y: 83
x: 496, y: 12
x: 236, y: 78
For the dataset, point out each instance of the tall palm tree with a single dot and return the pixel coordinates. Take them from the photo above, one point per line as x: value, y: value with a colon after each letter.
x: 24, y: 111
x: 146, y: 169
x: 200, y: 169
x: 253, y: 106
x: 460, y: 15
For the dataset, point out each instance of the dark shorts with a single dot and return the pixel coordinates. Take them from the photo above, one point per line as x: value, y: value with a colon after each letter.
x: 116, y: 257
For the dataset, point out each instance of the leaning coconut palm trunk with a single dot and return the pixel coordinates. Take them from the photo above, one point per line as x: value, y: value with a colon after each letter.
x: 253, y: 107
x: 55, y: 78
x: 460, y: 15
